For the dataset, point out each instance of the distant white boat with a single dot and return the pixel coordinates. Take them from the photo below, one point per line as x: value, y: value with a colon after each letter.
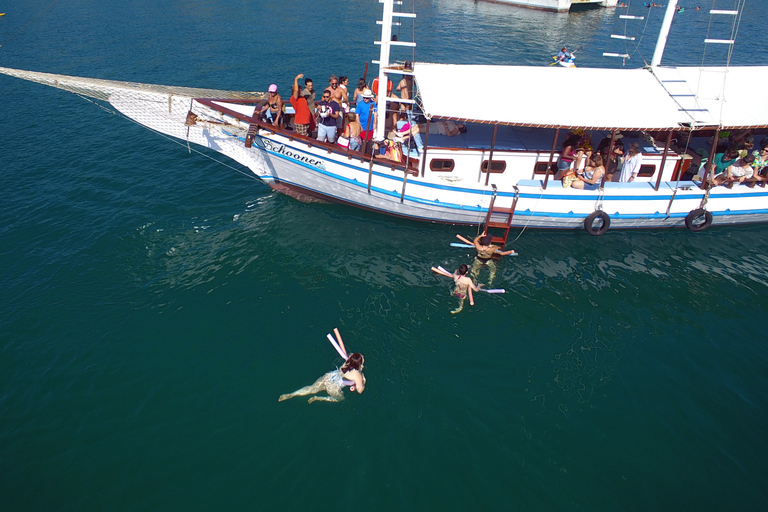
x: 556, y: 5
x: 516, y: 136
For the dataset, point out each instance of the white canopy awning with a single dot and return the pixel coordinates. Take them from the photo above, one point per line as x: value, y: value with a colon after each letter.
x: 551, y: 96
x: 728, y: 97
x: 627, y: 99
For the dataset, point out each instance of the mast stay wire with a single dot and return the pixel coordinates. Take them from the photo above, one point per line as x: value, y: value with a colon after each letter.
x: 735, y: 25
x: 636, y: 48
x: 28, y: 23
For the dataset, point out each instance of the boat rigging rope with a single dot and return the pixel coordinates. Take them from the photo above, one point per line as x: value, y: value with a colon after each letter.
x: 529, y: 219
x: 636, y: 44
x: 738, y: 7
x: 28, y: 23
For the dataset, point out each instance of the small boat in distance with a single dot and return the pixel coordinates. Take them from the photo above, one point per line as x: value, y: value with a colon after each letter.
x: 487, y: 162
x: 565, y: 58
x: 557, y: 5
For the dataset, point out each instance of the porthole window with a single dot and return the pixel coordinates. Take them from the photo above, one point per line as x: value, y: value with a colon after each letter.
x: 441, y: 165
x: 541, y: 168
x: 497, y: 166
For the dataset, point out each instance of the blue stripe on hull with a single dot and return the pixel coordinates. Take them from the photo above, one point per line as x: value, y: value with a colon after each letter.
x: 523, y: 217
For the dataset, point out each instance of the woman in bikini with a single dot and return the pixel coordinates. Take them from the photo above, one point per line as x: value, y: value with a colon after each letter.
x: 273, y: 110
x: 464, y: 286
x: 350, y: 374
x: 352, y: 133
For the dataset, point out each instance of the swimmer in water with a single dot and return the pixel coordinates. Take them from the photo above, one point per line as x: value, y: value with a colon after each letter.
x: 485, y: 251
x: 350, y: 374
x: 464, y: 287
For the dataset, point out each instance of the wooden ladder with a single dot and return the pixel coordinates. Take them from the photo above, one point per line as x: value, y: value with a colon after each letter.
x: 499, y: 218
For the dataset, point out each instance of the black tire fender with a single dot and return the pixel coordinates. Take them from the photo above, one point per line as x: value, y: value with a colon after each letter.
x: 589, y: 223
x: 694, y: 215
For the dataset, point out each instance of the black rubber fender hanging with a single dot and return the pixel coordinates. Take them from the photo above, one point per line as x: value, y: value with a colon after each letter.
x: 692, y: 220
x: 589, y: 223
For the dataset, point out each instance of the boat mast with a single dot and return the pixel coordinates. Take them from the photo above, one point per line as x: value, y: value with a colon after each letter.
x: 662, y: 41
x: 387, y: 21
x: 381, y: 94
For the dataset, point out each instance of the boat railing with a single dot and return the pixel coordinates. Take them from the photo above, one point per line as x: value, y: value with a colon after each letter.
x: 309, y: 141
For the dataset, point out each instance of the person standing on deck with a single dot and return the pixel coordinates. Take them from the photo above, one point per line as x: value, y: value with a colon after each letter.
x: 632, y: 163
x: 338, y: 94
x: 309, y: 94
x: 328, y: 111
x: 302, y: 118
x: 366, y: 115
x: 343, y: 101
x: 405, y: 88
x: 568, y: 154
x: 358, y: 96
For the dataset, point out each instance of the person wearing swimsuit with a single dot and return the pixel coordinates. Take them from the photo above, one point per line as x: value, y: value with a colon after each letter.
x: 273, y: 110
x: 350, y: 374
x: 464, y: 287
x: 485, y: 251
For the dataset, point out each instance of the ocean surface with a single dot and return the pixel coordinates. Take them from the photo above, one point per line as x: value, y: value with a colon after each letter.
x: 155, y: 303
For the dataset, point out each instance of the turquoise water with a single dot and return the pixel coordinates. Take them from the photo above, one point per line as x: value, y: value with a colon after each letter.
x: 155, y: 303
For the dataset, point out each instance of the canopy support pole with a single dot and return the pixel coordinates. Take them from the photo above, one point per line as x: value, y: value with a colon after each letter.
x: 663, y: 160
x: 608, y: 158
x: 424, y: 153
x: 551, y: 156
x: 711, y: 161
x: 490, y: 157
x: 405, y: 178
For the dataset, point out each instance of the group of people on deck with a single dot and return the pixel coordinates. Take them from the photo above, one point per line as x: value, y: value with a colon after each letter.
x: 600, y: 165
x: 737, y: 162
x: 346, y: 118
